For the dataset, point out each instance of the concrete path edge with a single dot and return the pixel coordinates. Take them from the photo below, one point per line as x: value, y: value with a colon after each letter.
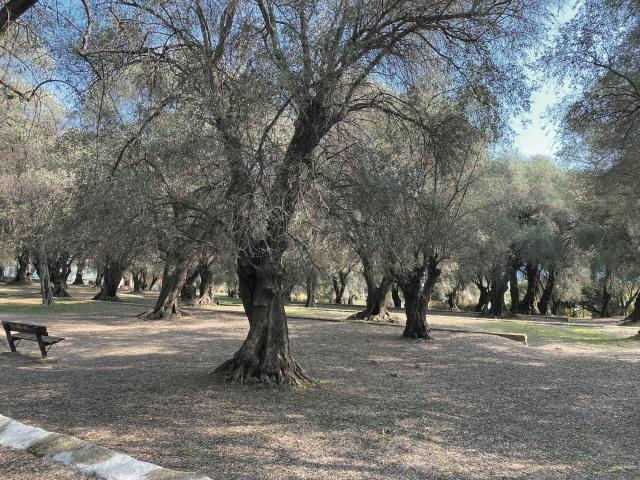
x: 82, y: 456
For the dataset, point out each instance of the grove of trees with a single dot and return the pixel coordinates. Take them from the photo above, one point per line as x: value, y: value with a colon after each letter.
x: 343, y: 148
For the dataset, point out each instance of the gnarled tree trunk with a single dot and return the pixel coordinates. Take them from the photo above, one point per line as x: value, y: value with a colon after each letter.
x: 452, y: 299
x: 59, y: 270
x: 376, y: 308
x: 605, y: 298
x: 529, y: 302
x: 395, y: 296
x: 339, y: 285
x: 22, y: 269
x: 544, y: 305
x: 188, y: 290
x: 377, y: 293
x: 311, y: 290
x: 79, y: 271
x: 634, y: 316
x: 483, y: 299
x: 433, y: 274
x: 46, y: 289
x: 139, y: 280
x: 111, y: 277
x: 265, y: 355
x: 173, y: 278
x: 416, y: 288
x: 154, y: 280
x: 206, y: 296
x: 499, y: 286
x: 415, y: 309
x: 99, y: 275
x: 556, y: 304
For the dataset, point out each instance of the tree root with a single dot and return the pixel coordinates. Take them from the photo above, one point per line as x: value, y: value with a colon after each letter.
x: 361, y: 315
x: 385, y: 317
x: 106, y: 298
x: 205, y: 301
x: 236, y: 371
x: 163, y: 315
x: 416, y: 336
x: 504, y: 316
x: 629, y: 321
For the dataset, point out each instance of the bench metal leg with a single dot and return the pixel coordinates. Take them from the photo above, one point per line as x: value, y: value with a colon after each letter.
x: 12, y: 345
x: 43, y: 349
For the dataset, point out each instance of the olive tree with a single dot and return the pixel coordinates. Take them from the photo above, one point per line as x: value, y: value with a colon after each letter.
x: 274, y: 78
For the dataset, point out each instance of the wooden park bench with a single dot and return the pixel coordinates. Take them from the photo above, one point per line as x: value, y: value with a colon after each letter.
x: 30, y: 332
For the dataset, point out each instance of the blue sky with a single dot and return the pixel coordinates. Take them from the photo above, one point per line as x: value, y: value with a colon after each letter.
x: 535, y: 132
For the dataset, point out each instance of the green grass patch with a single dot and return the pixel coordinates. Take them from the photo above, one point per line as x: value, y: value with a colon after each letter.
x: 538, y: 333
x: 61, y: 306
x: 25, y: 299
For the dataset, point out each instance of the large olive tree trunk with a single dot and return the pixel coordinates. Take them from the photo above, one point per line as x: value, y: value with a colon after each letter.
x: 174, y: 276
x: 206, y: 292
x: 111, y: 277
x: 79, y: 271
x: 544, y: 305
x: 529, y: 302
x: 452, y: 299
x: 605, y: 297
x: 311, y: 290
x: 417, y: 287
x: 99, y: 275
x: 188, y: 290
x: 377, y: 300
x: 415, y: 304
x: 139, y: 280
x: 395, y: 296
x: 483, y: 299
x: 59, y: 270
x: 265, y: 355
x: 497, y: 290
x: 46, y: 288
x: 340, y: 284
x: 22, y: 269
x: 154, y: 280
x: 634, y: 316
x: 377, y: 292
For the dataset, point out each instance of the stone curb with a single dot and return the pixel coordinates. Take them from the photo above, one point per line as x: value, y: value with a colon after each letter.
x: 82, y: 456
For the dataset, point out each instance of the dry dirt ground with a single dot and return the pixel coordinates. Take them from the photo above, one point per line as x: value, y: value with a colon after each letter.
x: 460, y: 406
x: 15, y: 465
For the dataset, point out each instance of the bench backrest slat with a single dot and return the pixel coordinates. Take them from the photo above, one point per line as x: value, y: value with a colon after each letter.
x: 25, y: 328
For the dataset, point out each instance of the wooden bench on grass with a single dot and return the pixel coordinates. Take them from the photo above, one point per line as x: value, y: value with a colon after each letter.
x: 30, y: 332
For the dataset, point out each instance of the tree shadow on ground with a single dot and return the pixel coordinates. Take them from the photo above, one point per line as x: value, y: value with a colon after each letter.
x: 461, y: 406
